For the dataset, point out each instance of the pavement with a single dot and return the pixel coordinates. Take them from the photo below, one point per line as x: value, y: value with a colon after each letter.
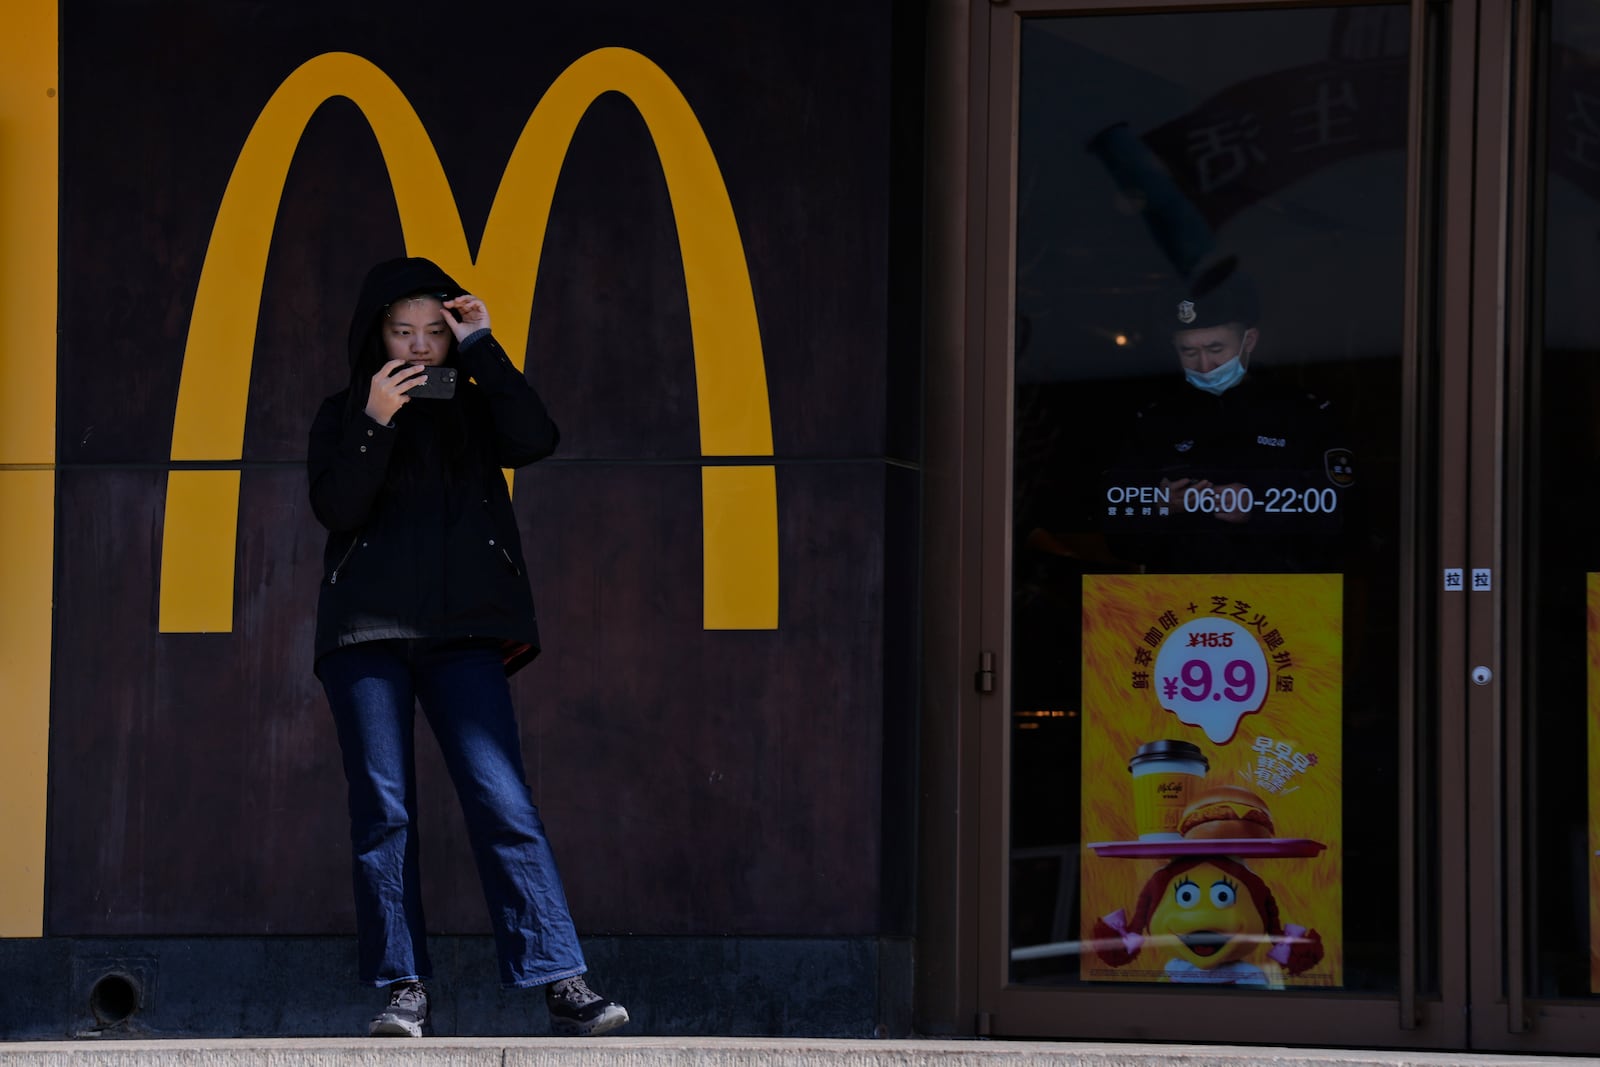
x: 712, y: 1052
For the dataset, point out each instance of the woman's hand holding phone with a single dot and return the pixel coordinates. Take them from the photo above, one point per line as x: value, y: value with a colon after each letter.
x: 390, y: 385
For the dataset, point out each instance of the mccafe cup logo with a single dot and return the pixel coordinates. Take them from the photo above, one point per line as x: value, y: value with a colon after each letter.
x: 739, y: 515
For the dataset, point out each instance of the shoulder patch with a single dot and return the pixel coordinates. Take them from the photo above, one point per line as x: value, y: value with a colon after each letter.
x: 1340, y: 466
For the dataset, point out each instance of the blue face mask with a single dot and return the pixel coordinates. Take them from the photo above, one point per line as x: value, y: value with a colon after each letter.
x: 1219, y: 379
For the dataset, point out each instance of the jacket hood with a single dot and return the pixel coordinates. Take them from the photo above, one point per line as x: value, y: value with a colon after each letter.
x: 388, y: 282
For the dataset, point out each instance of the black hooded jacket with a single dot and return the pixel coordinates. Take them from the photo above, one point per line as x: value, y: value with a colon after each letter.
x: 434, y: 551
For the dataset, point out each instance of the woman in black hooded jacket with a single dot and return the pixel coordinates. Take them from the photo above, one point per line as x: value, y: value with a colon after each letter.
x: 425, y: 599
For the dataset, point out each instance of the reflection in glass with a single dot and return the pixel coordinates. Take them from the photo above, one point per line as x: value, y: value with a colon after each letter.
x: 1210, y: 213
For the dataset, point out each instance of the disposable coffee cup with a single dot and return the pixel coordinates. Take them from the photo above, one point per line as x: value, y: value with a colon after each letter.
x: 1164, y: 775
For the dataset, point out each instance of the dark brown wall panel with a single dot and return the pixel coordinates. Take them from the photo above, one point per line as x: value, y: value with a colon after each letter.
x: 158, y: 98
x: 195, y: 784
x: 693, y: 781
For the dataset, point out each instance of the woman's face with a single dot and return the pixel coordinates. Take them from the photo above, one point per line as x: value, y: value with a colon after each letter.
x: 414, y: 330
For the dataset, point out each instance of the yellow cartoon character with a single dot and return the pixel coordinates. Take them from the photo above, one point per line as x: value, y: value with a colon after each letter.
x: 1213, y: 913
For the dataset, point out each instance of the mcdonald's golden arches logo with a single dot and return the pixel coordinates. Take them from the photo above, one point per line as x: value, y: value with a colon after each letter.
x: 739, y: 499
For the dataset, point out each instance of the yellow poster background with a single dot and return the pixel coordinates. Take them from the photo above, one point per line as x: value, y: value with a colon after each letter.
x: 1593, y: 584
x: 1298, y: 620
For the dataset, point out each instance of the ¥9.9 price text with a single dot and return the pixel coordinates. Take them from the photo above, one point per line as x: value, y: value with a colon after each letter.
x: 1211, y: 673
x: 1196, y: 682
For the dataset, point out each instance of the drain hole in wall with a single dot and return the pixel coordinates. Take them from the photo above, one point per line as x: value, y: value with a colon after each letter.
x: 114, y: 998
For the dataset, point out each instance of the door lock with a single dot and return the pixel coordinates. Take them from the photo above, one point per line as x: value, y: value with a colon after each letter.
x: 1482, y: 675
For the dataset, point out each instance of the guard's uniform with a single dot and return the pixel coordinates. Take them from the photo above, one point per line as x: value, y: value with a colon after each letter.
x: 1285, y: 446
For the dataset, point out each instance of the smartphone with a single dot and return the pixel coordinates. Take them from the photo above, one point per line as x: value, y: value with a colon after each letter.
x: 441, y: 385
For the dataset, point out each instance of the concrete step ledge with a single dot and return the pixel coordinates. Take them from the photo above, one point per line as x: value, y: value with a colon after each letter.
x: 711, y: 1052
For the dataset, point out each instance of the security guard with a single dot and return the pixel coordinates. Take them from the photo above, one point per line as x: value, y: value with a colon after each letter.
x: 1227, y: 471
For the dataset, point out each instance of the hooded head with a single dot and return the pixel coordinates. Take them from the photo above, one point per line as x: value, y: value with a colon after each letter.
x: 435, y: 437
x: 386, y: 283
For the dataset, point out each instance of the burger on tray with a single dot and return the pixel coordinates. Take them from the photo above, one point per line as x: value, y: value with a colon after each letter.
x: 1225, y: 811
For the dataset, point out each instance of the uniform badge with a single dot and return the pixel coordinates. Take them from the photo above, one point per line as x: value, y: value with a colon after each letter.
x: 1186, y: 313
x: 1340, y: 466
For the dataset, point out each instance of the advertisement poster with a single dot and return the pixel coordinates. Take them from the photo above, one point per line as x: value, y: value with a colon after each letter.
x: 1594, y: 782
x: 1212, y: 779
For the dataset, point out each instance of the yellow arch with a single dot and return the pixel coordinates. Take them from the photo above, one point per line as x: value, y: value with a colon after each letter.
x: 739, y: 503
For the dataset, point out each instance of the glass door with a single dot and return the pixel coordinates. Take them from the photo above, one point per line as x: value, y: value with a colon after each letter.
x: 1292, y: 377
x: 1543, y: 533
x: 1216, y: 339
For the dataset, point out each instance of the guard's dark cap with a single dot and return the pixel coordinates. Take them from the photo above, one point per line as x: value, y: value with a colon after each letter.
x: 1218, y: 296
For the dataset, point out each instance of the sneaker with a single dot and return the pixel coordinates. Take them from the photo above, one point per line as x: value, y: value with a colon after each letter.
x: 578, y: 1011
x: 406, y: 1014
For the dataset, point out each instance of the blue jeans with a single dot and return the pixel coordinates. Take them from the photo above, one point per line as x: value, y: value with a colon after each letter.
x: 373, y: 689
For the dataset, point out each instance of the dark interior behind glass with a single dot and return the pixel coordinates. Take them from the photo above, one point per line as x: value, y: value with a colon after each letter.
x: 1151, y: 146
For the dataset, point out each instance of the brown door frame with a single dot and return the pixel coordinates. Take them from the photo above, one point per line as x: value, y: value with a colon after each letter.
x: 953, y: 247
x: 1510, y: 186
x: 1496, y: 982
x: 1463, y: 247
x: 1406, y: 1018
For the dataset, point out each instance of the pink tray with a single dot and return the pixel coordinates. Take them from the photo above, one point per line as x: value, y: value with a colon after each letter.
x: 1221, y: 846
